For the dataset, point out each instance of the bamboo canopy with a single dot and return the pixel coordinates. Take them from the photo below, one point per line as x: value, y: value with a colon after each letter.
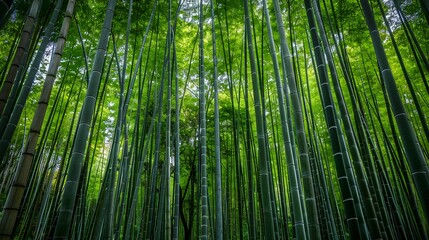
x: 214, y: 119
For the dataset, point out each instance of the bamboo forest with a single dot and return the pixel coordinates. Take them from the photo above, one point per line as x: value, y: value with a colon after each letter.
x: 214, y: 119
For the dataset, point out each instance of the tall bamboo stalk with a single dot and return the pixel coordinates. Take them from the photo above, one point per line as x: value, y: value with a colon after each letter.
x: 64, y: 221
x: 218, y: 170
x: 202, y: 130
x: 262, y: 151
x: 413, y: 151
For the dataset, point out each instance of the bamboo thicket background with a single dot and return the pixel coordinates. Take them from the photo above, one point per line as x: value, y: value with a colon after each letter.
x: 214, y: 119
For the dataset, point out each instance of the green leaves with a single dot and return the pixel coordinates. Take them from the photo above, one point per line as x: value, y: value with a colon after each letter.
x: 250, y: 107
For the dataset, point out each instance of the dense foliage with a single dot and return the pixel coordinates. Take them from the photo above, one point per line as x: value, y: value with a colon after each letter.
x: 214, y: 119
